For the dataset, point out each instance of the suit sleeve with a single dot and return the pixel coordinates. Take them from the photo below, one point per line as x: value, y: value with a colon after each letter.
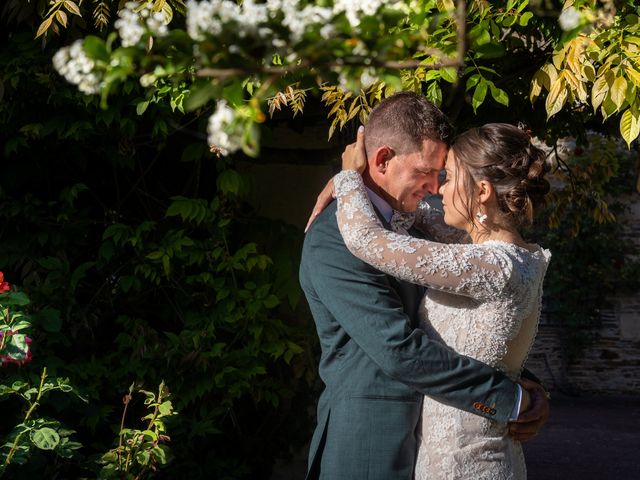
x: 363, y: 302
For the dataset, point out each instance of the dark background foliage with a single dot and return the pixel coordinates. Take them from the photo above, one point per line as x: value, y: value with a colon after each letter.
x: 144, y: 263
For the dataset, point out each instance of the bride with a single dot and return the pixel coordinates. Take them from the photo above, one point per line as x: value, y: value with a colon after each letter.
x: 483, y: 298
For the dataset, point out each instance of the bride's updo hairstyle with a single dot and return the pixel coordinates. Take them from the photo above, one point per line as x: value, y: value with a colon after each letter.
x: 504, y: 156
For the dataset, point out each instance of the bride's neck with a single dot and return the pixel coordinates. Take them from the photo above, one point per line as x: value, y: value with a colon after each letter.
x: 483, y: 233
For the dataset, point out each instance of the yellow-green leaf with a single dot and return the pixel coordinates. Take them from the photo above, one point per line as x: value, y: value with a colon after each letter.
x: 599, y: 92
x: 550, y: 75
x: 536, y: 86
x: 632, y: 74
x: 630, y: 125
x: 572, y: 80
x: 618, y: 91
x: 62, y: 18
x: 558, y: 58
x: 72, y: 7
x: 557, y: 97
x: 44, y: 26
x: 589, y: 72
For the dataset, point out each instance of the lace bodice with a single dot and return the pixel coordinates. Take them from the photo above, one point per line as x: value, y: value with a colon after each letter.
x: 483, y: 301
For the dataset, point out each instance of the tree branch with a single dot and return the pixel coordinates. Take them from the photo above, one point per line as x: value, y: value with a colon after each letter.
x: 359, y: 62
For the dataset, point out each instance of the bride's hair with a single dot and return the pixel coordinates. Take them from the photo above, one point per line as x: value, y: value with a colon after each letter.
x: 504, y: 156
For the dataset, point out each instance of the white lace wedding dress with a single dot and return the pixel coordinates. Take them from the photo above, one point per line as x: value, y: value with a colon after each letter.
x: 483, y: 301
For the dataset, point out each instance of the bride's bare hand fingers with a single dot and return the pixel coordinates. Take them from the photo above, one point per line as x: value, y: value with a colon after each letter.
x: 354, y: 156
x: 325, y: 197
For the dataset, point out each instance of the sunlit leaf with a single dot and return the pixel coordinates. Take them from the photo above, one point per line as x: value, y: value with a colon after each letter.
x: 556, y: 98
x: 630, y: 125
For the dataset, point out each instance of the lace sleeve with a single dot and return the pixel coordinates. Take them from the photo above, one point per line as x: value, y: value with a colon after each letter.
x: 430, y: 221
x: 476, y: 271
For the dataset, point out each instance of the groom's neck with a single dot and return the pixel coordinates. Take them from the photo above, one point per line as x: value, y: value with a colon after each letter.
x: 372, y: 185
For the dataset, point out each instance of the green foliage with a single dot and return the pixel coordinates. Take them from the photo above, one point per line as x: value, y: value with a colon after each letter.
x: 36, y: 432
x: 140, y: 451
x: 142, y: 267
x: 593, y: 260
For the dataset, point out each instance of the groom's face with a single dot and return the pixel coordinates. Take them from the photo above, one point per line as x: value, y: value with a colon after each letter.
x: 411, y: 177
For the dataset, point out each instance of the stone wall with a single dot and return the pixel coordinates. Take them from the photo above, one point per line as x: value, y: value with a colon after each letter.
x: 611, y: 364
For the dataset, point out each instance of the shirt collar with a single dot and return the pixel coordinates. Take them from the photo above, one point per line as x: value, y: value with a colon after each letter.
x: 381, y: 204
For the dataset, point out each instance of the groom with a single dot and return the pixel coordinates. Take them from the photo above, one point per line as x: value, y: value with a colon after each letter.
x: 375, y: 364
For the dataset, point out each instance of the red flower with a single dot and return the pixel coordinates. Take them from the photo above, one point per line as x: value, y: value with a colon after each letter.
x: 4, y: 286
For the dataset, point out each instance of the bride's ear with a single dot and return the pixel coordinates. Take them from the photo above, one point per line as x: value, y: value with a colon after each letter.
x: 381, y: 158
x: 485, y: 191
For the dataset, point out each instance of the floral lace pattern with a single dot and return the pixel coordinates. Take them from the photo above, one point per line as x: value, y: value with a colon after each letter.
x: 483, y: 301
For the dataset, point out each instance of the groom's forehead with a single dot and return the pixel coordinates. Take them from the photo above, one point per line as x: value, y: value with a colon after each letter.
x: 434, y: 153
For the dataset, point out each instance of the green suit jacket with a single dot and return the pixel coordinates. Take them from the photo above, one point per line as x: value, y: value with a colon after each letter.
x: 376, y: 365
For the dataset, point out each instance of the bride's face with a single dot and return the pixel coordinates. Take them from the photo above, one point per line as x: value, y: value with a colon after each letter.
x: 454, y: 197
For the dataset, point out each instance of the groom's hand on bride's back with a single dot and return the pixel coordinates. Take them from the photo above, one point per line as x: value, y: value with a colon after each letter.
x: 532, y: 419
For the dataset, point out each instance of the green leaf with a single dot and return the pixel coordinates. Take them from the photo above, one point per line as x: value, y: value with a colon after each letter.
x: 165, y: 408
x: 160, y: 454
x: 449, y: 74
x: 509, y: 20
x: 434, y: 93
x: 524, y: 18
x: 142, y: 457
x: 156, y: 255
x: 472, y: 81
x: 141, y: 107
x: 45, y: 438
x: 229, y: 181
x: 96, y: 48
x: 199, y: 95
x: 479, y: 95
x: 499, y: 95
x: 490, y: 50
x: 234, y: 93
x: 14, y: 298
x: 271, y: 301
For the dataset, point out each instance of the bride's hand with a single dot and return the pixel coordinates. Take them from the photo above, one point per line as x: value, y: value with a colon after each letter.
x: 354, y: 156
x: 326, y: 196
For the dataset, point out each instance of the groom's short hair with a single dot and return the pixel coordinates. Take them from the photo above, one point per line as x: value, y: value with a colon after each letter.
x: 403, y: 121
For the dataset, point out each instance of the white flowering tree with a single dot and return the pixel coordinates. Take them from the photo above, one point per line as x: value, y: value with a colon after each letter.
x: 254, y: 57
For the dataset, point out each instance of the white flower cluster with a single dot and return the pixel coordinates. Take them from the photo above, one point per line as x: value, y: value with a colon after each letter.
x: 354, y: 9
x: 135, y: 18
x: 569, y: 19
x: 77, y: 68
x: 210, y: 17
x: 298, y: 20
x: 224, y: 132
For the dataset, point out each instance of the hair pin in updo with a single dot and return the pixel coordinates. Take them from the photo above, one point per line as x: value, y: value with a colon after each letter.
x: 525, y: 128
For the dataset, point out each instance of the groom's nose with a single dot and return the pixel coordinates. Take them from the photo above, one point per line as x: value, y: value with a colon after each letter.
x: 434, y: 185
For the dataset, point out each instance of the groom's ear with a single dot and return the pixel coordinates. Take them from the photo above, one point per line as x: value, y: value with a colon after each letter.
x: 381, y: 158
